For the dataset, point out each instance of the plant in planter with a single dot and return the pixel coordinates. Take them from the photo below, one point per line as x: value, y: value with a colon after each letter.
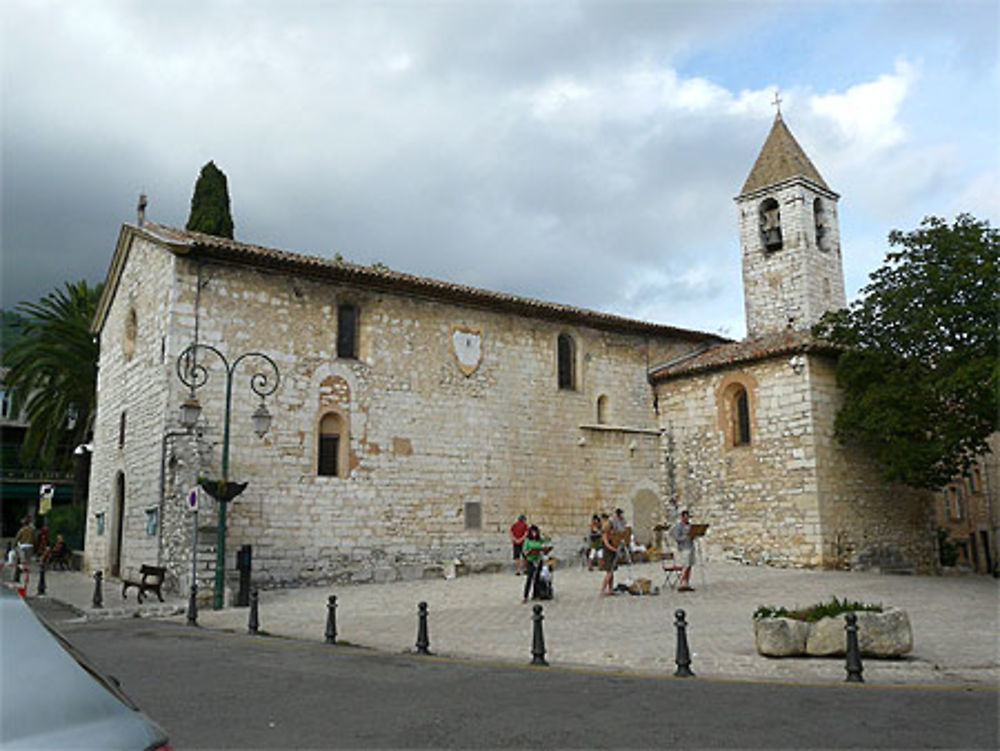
x: 818, y: 630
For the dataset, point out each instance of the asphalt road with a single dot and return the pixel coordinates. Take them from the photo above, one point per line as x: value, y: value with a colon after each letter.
x: 221, y: 690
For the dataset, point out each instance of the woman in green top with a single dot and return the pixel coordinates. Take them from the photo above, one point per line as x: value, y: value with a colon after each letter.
x: 534, y: 546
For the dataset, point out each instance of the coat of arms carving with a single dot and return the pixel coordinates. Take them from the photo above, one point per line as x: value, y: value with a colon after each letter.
x: 467, y: 344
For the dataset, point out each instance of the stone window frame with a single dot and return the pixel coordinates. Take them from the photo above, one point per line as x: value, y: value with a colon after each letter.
x: 727, y: 394
x: 567, y: 355
x: 343, y: 435
x: 352, y: 352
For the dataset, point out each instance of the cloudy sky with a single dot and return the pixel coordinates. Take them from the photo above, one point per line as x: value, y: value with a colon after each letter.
x: 579, y: 152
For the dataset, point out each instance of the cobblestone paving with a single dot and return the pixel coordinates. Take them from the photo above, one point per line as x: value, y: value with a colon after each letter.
x: 955, y: 620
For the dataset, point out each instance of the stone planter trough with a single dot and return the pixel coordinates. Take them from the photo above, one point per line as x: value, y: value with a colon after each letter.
x: 885, y: 634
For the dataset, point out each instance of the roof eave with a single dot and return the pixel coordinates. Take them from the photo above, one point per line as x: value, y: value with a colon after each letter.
x: 813, y: 348
x: 431, y: 289
x: 765, y: 189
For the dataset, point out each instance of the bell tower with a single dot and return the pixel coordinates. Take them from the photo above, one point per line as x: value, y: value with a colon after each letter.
x: 790, y: 239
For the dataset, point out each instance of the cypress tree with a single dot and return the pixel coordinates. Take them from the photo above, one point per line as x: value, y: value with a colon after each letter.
x: 210, y: 204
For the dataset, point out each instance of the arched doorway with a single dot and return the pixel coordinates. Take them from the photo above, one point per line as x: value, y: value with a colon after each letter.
x: 118, y: 525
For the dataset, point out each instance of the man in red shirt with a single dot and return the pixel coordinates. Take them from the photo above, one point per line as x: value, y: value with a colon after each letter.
x: 518, y: 531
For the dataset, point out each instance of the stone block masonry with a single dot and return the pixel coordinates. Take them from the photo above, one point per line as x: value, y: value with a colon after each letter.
x: 438, y: 462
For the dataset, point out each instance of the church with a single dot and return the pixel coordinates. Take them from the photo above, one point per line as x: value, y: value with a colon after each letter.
x: 388, y: 425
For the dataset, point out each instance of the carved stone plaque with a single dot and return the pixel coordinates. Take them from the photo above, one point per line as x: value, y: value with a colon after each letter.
x: 467, y: 344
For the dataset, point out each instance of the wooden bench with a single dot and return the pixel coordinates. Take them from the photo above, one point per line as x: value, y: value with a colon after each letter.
x: 151, y: 579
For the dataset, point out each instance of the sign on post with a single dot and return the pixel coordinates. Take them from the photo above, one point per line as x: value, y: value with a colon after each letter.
x: 45, y: 493
x: 192, y: 500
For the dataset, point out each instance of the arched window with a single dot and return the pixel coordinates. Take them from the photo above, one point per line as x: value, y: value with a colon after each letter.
x: 770, y: 225
x: 819, y: 221
x: 333, y: 452
x: 734, y: 401
x: 566, y: 350
x: 602, y: 409
x: 741, y: 417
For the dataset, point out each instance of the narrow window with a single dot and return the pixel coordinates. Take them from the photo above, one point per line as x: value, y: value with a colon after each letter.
x: 329, y: 446
x: 5, y: 404
x: 602, y: 409
x: 565, y: 350
x: 741, y: 413
x: 956, y: 503
x: 347, y: 331
x: 770, y: 225
x: 121, y: 430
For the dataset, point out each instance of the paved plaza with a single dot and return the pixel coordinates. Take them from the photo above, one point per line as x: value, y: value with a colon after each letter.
x: 955, y: 620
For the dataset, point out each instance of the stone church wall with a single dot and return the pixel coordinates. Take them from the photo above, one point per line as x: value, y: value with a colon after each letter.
x: 867, y: 523
x: 793, y: 496
x: 131, y: 382
x: 761, y: 499
x: 428, y: 444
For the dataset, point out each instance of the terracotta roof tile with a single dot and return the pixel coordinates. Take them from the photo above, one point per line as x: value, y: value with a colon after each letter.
x: 734, y: 353
x: 195, y: 243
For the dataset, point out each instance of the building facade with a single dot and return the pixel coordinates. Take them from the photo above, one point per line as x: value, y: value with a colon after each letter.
x: 414, y: 419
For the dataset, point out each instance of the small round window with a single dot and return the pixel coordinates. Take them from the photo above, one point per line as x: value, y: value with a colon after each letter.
x: 131, y: 329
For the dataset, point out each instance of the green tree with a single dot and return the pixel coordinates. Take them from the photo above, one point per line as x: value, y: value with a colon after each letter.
x: 919, y: 370
x: 53, y: 372
x: 210, y: 204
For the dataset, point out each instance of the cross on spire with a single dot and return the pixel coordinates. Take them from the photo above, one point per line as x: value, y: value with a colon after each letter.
x: 777, y: 102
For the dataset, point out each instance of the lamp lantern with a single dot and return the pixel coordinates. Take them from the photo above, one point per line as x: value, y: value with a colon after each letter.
x: 261, y: 419
x: 190, y: 409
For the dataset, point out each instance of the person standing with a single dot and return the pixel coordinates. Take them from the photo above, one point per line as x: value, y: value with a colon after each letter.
x: 609, y: 551
x: 24, y: 541
x: 518, y: 532
x: 534, y: 546
x: 619, y: 522
x: 681, y: 534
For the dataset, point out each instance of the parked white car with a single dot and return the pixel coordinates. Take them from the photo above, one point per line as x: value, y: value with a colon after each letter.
x: 53, y: 698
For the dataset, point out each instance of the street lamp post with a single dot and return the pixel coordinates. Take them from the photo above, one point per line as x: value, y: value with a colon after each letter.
x: 263, y: 383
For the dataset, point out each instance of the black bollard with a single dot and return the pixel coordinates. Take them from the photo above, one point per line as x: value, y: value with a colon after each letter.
x: 854, y: 667
x: 683, y: 658
x: 538, y: 638
x: 41, y: 578
x: 331, y: 620
x: 192, y: 614
x: 423, y: 640
x: 98, y: 590
x: 254, y: 624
